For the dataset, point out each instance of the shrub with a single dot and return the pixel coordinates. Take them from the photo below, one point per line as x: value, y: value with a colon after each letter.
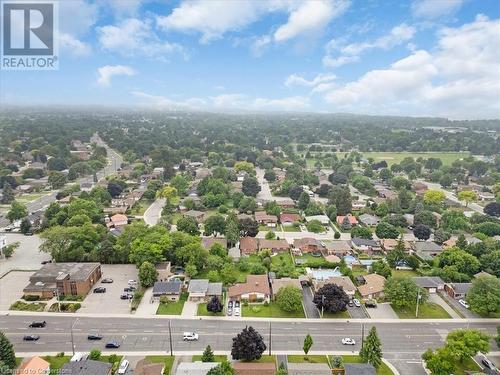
x: 31, y: 298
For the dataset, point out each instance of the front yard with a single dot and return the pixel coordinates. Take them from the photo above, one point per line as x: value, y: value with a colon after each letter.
x: 202, y: 311
x: 382, y: 370
x: 426, y: 310
x: 167, y: 360
x: 172, y: 308
x: 270, y: 311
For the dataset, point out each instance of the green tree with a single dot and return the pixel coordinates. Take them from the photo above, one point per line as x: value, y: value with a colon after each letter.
x: 8, y: 194
x: 315, y: 226
x: 25, y: 226
x: 9, y: 249
x: 57, y: 179
x: 188, y: 225
x: 147, y: 274
x: 371, y: 351
x: 7, y: 355
x: 484, y: 295
x: 168, y: 193
x: 17, y: 211
x: 308, y: 342
x: 403, y: 292
x: 467, y: 196
x: 304, y: 200
x: 289, y: 298
x: 361, y: 232
x: 381, y: 268
x: 439, y: 362
x: 191, y: 270
x: 250, y: 186
x: 232, y: 230
x: 386, y: 230
x: 434, y: 197
x: 223, y: 368
x: 397, y: 255
x: 466, y: 343
x: 247, y: 204
x: 180, y: 183
x: 208, y: 355
x: 248, y: 345
x: 340, y: 196
x: 95, y: 354
x: 215, y: 224
x: 270, y: 235
x: 461, y: 259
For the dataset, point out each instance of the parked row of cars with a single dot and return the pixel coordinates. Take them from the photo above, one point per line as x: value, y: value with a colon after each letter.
x: 233, y: 307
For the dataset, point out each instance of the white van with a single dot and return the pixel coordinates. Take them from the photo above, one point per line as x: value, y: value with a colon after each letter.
x: 79, y: 357
x: 123, y: 367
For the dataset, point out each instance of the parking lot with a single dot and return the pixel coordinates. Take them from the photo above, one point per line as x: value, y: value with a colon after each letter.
x: 26, y: 257
x: 110, y: 302
x: 11, y: 288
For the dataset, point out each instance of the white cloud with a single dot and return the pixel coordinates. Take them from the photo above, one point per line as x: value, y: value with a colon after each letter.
x: 435, y: 8
x: 348, y: 53
x: 109, y: 71
x: 309, y: 18
x: 75, y: 46
x: 76, y: 19
x: 135, y: 37
x: 297, y: 80
x: 123, y: 8
x: 459, y: 79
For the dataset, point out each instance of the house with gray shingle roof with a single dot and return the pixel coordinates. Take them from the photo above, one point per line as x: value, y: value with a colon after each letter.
x: 169, y: 289
x: 203, y: 290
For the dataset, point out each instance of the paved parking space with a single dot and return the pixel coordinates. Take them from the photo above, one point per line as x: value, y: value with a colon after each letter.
x: 307, y: 300
x: 435, y: 298
x: 465, y: 312
x: 11, y: 288
x: 110, y: 302
x: 26, y: 257
x: 357, y: 312
x: 382, y: 311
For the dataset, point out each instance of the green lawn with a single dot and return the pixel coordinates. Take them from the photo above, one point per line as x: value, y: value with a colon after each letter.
x: 426, y: 310
x: 467, y: 365
x: 25, y: 306
x: 308, y: 359
x: 140, y: 207
x: 401, y: 274
x: 339, y: 315
x: 266, y: 359
x: 172, y: 308
x: 56, y: 362
x: 29, y: 197
x: 202, y: 311
x: 270, y: 311
x: 290, y: 228
x: 217, y: 358
x: 282, y: 259
x: 312, y: 261
x: 165, y: 359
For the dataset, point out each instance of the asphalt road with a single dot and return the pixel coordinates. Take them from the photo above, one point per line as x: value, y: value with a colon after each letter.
x: 403, y: 342
x: 153, y: 213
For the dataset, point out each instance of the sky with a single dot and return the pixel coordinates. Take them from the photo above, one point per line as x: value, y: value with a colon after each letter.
x: 381, y: 57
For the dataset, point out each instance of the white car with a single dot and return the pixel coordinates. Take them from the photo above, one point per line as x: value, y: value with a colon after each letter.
x: 356, y: 302
x: 123, y: 367
x: 348, y: 341
x: 190, y: 336
x: 236, y: 311
x: 463, y: 303
x: 132, y: 282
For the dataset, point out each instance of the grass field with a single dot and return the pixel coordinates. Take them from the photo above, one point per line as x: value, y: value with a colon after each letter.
x: 290, y: 228
x: 202, y: 311
x: 29, y: 197
x: 401, y: 274
x: 56, y: 362
x: 172, y: 308
x: 308, y: 359
x: 270, y: 311
x: 426, y: 310
x: 167, y: 360
x: 217, y: 358
x: 140, y: 207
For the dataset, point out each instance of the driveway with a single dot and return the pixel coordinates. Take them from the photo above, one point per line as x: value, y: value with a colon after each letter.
x: 357, y: 312
x: 110, y: 302
x: 307, y: 301
x: 11, y: 288
x: 27, y: 257
x: 465, y: 312
x: 147, y: 307
x: 435, y: 298
x: 190, y: 309
x: 382, y: 311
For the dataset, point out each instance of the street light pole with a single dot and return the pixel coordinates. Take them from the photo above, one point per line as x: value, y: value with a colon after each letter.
x: 322, y: 305
x: 362, y: 335
x: 72, y: 339
x: 418, y: 300
x: 270, y: 342
x: 170, y: 338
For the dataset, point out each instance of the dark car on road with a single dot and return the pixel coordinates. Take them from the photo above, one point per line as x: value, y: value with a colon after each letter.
x: 94, y: 336
x: 39, y: 324
x: 31, y: 338
x: 100, y: 289
x: 112, y: 345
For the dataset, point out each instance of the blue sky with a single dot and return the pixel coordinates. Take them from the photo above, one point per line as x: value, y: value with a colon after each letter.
x: 421, y: 57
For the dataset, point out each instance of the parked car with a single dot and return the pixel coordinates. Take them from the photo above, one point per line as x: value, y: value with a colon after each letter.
x: 463, y: 303
x: 123, y: 367
x: 107, y: 280
x: 132, y: 282
x: 126, y: 296
x: 46, y: 261
x: 112, y: 345
x: 100, y: 289
x: 190, y: 336
x: 38, y: 324
x: 348, y: 341
x: 237, y: 304
x: 31, y: 338
x: 127, y: 290
x: 350, y: 303
x: 236, y: 311
x: 488, y: 364
x: 356, y: 302
x: 371, y: 304
x: 94, y: 336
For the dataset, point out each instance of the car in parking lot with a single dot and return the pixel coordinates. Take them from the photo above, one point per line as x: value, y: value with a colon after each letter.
x: 129, y: 289
x: 126, y: 296
x: 38, y: 324
x: 100, y: 289
x: 112, y: 345
x: 31, y: 338
x: 190, y: 336
x: 488, y: 364
x: 463, y: 303
x: 107, y: 280
x: 94, y: 336
x: 123, y: 367
x: 236, y: 311
x: 348, y: 341
x: 132, y: 282
x: 356, y: 302
x: 371, y: 304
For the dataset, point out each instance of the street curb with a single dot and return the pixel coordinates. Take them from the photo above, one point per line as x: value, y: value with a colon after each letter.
x: 389, y: 364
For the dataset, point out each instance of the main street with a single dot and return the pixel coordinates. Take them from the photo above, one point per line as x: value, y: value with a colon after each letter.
x: 403, y: 341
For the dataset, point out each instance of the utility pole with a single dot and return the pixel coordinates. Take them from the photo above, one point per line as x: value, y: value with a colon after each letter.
x: 362, y: 335
x: 270, y: 342
x: 418, y: 300
x: 72, y: 339
x: 170, y: 338
x: 322, y: 304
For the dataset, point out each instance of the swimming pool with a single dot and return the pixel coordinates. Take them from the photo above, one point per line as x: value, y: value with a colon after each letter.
x: 323, y: 274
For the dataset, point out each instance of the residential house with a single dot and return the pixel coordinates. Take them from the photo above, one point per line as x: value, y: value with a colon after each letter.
x: 197, y: 215
x: 359, y: 369
x: 275, y: 246
x: 485, y: 196
x: 66, y: 278
x: 87, y: 367
x: 277, y: 284
x: 117, y: 220
x: 369, y: 220
x: 427, y: 250
x: 286, y: 203
x: 34, y: 365
x: 373, y: 286
x: 195, y: 368
x: 171, y: 290
x: 308, y: 369
x: 249, y: 245
x: 144, y: 367
x: 256, y: 289
x: 323, y: 219
x: 419, y: 188
x: 343, y: 220
x: 203, y: 290
x: 263, y: 218
x: 253, y: 368
x: 289, y: 219
x: 208, y: 242
x: 457, y: 290
x: 482, y: 274
x: 342, y: 281
x: 389, y: 244
x: 307, y: 245
x: 338, y: 248
x: 432, y: 284
x: 386, y: 193
x: 451, y: 242
x: 366, y: 246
